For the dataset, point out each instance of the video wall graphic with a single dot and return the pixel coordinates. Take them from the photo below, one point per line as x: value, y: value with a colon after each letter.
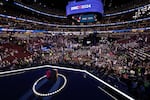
x: 84, y: 6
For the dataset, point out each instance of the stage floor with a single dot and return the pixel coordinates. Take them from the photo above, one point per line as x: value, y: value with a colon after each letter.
x: 80, y: 86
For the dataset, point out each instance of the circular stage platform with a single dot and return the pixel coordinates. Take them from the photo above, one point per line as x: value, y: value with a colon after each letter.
x: 50, y: 93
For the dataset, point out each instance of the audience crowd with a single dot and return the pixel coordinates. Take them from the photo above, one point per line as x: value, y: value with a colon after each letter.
x: 118, y: 62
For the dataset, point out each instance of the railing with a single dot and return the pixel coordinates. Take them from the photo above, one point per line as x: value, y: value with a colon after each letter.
x: 127, y: 11
x: 142, y: 55
x: 75, y: 26
x: 39, y: 12
x: 57, y: 16
x: 55, y: 32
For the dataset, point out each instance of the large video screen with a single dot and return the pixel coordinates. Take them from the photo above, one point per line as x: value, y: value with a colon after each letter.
x: 87, y: 18
x: 84, y: 6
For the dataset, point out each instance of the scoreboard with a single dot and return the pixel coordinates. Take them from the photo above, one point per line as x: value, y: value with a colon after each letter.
x: 81, y: 7
x: 87, y: 18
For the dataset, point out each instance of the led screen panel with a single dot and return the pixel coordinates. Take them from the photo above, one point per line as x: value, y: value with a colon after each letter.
x: 84, y: 6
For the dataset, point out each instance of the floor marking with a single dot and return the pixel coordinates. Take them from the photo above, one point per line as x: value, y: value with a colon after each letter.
x: 11, y: 74
x: 107, y: 93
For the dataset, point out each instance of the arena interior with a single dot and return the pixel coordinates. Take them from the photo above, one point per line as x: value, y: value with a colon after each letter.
x: 75, y: 49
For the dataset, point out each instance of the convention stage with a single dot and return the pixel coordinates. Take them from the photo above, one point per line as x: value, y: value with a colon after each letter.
x: 71, y: 84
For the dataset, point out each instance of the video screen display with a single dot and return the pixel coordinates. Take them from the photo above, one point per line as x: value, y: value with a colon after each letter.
x: 87, y: 18
x: 84, y: 6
